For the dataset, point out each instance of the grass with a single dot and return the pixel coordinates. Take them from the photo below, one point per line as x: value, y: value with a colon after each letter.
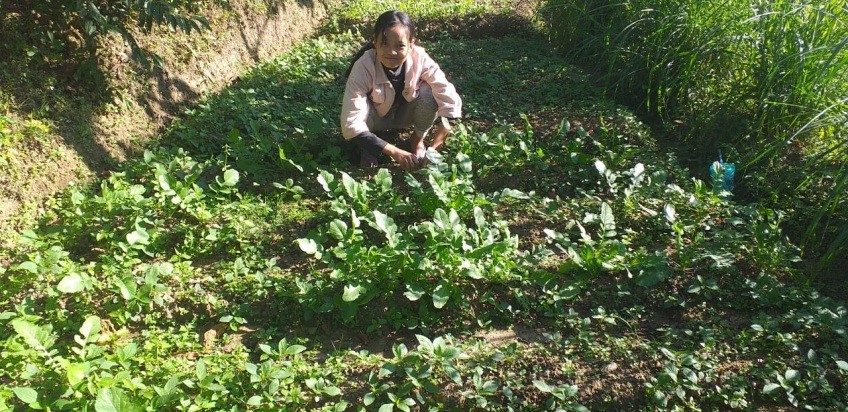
x: 763, y: 83
x: 217, y: 271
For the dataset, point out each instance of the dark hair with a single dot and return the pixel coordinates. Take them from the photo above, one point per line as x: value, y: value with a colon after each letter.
x: 384, y: 22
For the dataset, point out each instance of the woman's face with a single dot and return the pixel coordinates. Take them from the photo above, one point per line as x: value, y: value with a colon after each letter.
x: 393, y: 46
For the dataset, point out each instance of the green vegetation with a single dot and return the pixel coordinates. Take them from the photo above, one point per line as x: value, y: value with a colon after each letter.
x: 70, y: 33
x: 553, y: 257
x: 765, y: 82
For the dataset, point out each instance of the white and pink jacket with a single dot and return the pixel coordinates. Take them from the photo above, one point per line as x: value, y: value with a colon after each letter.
x: 368, y: 86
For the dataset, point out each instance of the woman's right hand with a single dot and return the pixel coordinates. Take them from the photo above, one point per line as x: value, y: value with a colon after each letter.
x: 406, y: 160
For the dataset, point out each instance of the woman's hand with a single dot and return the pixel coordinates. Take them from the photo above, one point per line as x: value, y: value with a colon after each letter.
x: 421, y: 154
x: 407, y: 161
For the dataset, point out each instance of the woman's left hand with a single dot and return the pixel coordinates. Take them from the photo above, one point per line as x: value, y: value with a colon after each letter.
x: 421, y: 155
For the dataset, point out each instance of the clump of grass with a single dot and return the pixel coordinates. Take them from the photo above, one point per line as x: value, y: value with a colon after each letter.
x: 421, y: 9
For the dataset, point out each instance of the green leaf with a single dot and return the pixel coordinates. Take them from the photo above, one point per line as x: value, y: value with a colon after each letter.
x: 654, y: 271
x: 383, y: 179
x: 602, y: 168
x: 348, y: 310
x: 441, y: 219
x: 472, y: 270
x: 792, y: 375
x: 294, y: 350
x: 435, y: 157
x: 137, y: 190
x: 351, y: 293
x: 464, y: 162
x: 453, y: 374
x: 542, y: 386
x: 564, y: 127
x: 126, y: 287
x: 487, y: 250
x: 441, y: 295
x: 386, y: 370
x: 30, y: 267
x: 71, y: 284
x: 842, y: 365
x: 368, y: 399
x: 139, y: 235
x: 200, y: 369
x: 26, y: 395
x: 255, y: 400
x: 671, y: 372
x: 76, y: 373
x: 515, y: 194
x: 163, y: 183
x: 333, y: 391
x: 607, y: 218
x: 90, y: 327
x: 424, y: 343
x: 690, y: 375
x: 387, y: 407
x: 338, y: 229
x: 33, y: 335
x: 351, y: 186
x: 114, y: 400
x: 308, y: 246
x: 479, y: 217
x: 670, y: 213
x: 384, y: 223
x: 231, y: 177
x: 667, y: 353
x: 414, y: 291
x: 569, y: 390
x: 324, y: 179
x: 770, y: 387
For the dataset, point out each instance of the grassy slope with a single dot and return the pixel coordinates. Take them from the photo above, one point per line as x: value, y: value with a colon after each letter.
x: 59, y: 126
x: 675, y: 297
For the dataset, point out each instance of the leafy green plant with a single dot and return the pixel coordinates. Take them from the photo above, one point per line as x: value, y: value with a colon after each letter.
x: 412, y: 378
x: 59, y: 30
x: 61, y: 375
x: 590, y: 256
x: 681, y: 382
x: 560, y: 396
x: 440, y: 257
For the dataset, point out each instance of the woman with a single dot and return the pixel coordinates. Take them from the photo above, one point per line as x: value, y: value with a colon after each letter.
x: 394, y: 84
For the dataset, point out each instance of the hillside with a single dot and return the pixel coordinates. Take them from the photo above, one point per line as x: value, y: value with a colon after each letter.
x: 56, y: 129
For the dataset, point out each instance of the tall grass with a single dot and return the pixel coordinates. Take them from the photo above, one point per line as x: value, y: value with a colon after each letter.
x: 766, y: 80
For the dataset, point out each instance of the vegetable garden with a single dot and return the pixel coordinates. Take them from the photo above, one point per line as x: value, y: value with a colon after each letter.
x: 554, y: 257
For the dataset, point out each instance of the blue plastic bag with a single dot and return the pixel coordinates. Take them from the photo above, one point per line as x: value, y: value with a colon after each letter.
x: 722, y: 175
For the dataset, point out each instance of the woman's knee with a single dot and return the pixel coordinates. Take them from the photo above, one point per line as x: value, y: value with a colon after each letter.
x: 425, y: 98
x: 424, y: 113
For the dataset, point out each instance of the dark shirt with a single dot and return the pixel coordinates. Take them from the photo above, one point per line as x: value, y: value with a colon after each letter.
x: 396, y: 78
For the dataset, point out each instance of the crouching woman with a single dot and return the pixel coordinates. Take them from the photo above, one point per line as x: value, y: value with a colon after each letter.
x: 393, y: 84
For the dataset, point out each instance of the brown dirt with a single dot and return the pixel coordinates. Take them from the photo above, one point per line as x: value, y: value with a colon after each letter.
x: 85, y: 142
x: 517, y: 333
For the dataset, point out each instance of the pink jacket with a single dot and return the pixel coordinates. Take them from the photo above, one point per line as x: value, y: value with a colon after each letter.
x: 368, y: 85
